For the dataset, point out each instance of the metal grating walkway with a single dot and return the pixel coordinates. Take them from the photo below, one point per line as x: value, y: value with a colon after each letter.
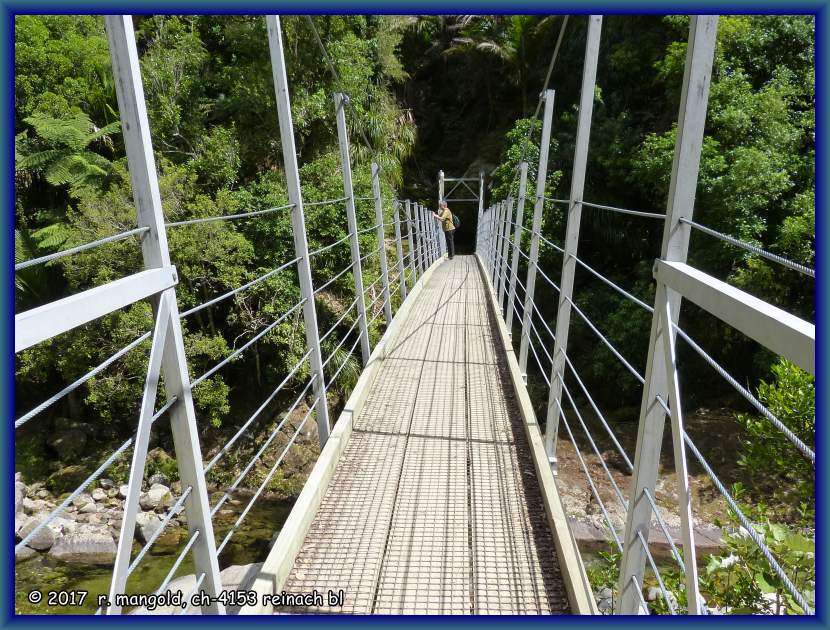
x: 434, y: 505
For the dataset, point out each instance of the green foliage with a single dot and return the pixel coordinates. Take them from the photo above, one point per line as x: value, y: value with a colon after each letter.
x: 741, y: 581
x: 61, y: 62
x: 771, y: 460
x: 64, y: 157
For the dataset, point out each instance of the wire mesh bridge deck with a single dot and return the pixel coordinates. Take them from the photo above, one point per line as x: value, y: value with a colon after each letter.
x: 434, y: 506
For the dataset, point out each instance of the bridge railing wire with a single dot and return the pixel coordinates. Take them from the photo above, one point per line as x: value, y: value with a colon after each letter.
x: 140, y: 232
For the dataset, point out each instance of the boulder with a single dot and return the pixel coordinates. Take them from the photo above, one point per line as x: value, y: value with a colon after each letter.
x: 43, y: 539
x: 19, y: 497
x: 90, y: 508
x: 106, y: 484
x: 123, y: 490
x: 112, y: 493
x: 66, y: 479
x: 69, y: 439
x: 159, y: 478
x: 90, y: 545
x: 23, y: 554
x: 147, y: 523
x: 97, y: 519
x: 157, y: 497
x: 43, y: 493
x: 81, y: 500
x: 61, y: 526
x: 99, y: 494
x: 31, y: 506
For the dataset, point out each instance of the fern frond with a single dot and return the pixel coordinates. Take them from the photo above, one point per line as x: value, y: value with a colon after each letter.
x: 71, y: 132
x: 36, y: 161
x: 53, y: 236
x: 104, y: 132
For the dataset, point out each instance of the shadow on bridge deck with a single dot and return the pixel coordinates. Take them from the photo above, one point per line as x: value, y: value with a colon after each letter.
x: 434, y: 505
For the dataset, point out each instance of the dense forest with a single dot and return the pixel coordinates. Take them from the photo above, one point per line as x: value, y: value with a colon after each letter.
x: 427, y: 93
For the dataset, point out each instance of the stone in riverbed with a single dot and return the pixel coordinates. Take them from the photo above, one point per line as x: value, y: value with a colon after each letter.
x: 89, y: 508
x: 147, y: 523
x: 69, y: 438
x: 112, y: 493
x: 43, y: 493
x: 157, y: 497
x: 19, y: 497
x: 61, y: 526
x: 92, y: 545
x: 159, y: 478
x: 31, y: 506
x: 42, y: 540
x: 99, y: 494
x: 106, y: 484
x: 122, y: 491
x: 66, y: 479
x: 81, y: 500
x: 23, y: 554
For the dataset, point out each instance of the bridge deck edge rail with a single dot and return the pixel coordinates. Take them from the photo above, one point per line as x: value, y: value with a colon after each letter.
x: 577, y: 585
x: 276, y: 567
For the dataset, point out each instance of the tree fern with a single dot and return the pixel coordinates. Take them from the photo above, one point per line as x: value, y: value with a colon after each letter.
x: 68, y: 159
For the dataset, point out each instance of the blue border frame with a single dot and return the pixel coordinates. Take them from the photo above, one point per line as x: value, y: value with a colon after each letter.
x: 8, y: 9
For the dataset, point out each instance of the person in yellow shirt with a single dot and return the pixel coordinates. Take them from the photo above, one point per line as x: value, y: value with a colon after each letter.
x: 445, y: 217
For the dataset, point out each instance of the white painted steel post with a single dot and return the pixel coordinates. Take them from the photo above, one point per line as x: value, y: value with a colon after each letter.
x: 413, y: 252
x: 419, y: 233
x: 488, y: 243
x: 295, y: 197
x: 505, y: 250
x: 494, y: 243
x: 399, y: 250
x: 139, y: 147
x: 566, y: 284
x: 340, y: 100
x: 517, y: 243
x: 440, y: 187
x: 680, y: 205
x: 429, y: 222
x: 381, y: 232
x: 419, y: 237
x: 539, y: 202
x: 438, y: 234
x: 480, y: 204
x: 492, y: 219
x: 502, y: 219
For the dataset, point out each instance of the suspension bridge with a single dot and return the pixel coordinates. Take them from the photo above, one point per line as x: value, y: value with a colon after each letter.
x: 435, y: 490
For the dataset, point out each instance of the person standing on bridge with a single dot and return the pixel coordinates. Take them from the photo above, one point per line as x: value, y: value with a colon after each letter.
x: 445, y: 217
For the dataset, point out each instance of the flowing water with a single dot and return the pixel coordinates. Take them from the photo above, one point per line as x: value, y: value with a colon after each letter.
x: 250, y: 543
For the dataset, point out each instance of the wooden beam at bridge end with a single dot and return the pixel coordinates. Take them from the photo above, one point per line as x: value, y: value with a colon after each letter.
x: 580, y: 594
x: 274, y: 572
